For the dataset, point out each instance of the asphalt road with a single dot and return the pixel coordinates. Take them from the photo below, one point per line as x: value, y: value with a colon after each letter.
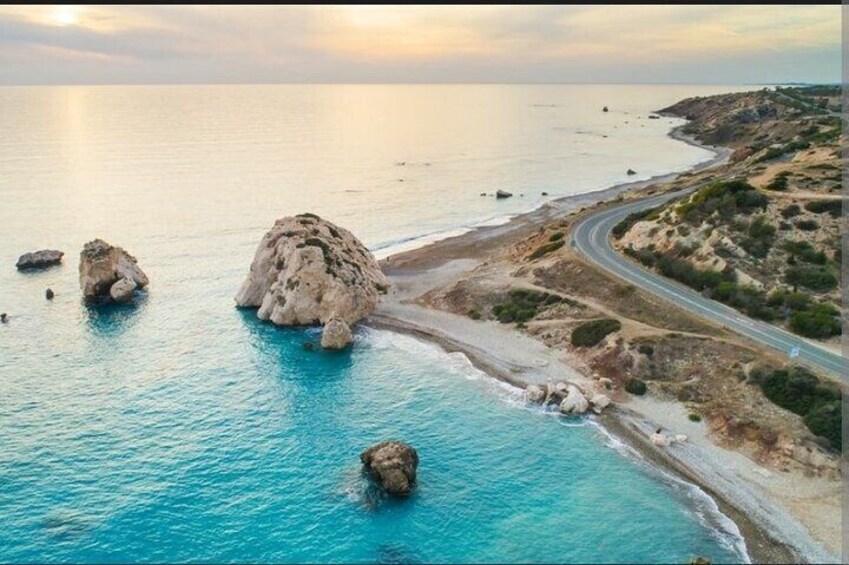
x: 591, y: 238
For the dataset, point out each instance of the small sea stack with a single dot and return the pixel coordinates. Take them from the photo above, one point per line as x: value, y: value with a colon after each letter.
x: 39, y: 259
x: 48, y: 294
x: 631, y: 172
x: 108, y: 273
x: 503, y: 194
x: 605, y: 109
x: 393, y: 465
x: 309, y: 271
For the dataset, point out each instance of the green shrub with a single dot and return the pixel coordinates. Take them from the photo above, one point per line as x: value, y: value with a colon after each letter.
x: 547, y: 248
x: 796, y: 389
x: 807, y: 225
x: 805, y: 252
x: 693, y: 417
x: 474, y: 314
x: 820, y: 321
x: 636, y: 386
x: 646, y: 349
x: 557, y: 236
x: 779, y: 183
x: 790, y: 211
x: 833, y: 207
x: 826, y: 420
x: 622, y: 227
x: 522, y: 305
x: 683, y: 271
x: 726, y: 198
x: 818, y: 279
x: 591, y: 333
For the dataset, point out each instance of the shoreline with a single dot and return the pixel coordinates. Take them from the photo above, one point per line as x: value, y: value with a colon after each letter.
x: 754, y: 520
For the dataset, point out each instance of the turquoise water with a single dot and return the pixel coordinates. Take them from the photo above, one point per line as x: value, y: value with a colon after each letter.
x: 184, y: 429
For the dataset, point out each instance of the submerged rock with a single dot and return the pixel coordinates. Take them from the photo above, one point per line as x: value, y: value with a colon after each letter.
x: 39, y: 259
x: 393, y: 464
x: 575, y: 402
x: 307, y: 270
x: 102, y: 266
x: 503, y: 194
x: 336, y: 334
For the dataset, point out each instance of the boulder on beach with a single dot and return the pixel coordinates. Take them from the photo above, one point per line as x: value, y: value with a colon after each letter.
x: 336, y: 334
x: 535, y: 394
x: 39, y: 259
x: 575, y: 402
x: 599, y: 402
x: 503, y: 194
x: 102, y: 266
x: 392, y: 464
x: 307, y: 270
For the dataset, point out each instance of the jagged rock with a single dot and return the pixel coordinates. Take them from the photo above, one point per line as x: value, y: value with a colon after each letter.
x: 49, y: 294
x: 124, y: 290
x: 393, y: 464
x: 535, y: 394
x: 307, y: 270
x: 102, y: 265
x: 39, y: 259
x: 336, y: 334
x: 503, y: 194
x: 599, y: 402
x: 575, y: 402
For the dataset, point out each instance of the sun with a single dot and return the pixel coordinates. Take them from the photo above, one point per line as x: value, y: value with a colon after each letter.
x: 64, y: 16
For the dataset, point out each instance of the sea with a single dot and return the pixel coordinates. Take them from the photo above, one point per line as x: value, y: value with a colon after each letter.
x: 182, y: 429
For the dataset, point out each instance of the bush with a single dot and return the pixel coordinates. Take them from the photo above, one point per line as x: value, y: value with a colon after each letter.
x: 796, y: 389
x: 591, y: 333
x: 693, y: 417
x: 725, y: 197
x: 546, y: 249
x: 522, y: 305
x: 779, y: 183
x: 557, y: 236
x: 646, y: 349
x: 820, y: 321
x: 818, y: 279
x: 833, y: 207
x: 636, y: 386
x: 805, y: 252
x: 622, y: 227
x: 790, y: 211
x: 807, y: 225
x: 474, y: 314
x: 826, y: 420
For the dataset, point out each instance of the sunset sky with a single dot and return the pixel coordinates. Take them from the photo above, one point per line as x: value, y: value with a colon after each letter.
x: 512, y: 44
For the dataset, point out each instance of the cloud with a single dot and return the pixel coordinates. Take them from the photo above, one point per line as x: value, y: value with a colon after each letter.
x: 418, y: 43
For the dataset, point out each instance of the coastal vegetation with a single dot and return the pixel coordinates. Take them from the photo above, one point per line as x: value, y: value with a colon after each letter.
x: 591, y: 333
x: 523, y: 304
x: 554, y: 245
x: 636, y: 387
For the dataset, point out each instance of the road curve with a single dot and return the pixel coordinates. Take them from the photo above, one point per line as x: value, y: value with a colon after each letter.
x: 591, y: 238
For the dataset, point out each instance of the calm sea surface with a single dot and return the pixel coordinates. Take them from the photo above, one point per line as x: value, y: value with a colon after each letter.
x: 183, y: 429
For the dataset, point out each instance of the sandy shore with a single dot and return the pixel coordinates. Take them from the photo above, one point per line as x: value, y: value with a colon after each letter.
x: 753, y: 497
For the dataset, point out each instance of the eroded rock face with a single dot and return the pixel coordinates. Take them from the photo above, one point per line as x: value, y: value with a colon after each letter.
x: 103, y: 265
x: 39, y: 259
x: 336, y: 334
x: 535, y: 394
x: 575, y: 402
x: 393, y: 464
x: 308, y: 270
x: 123, y: 290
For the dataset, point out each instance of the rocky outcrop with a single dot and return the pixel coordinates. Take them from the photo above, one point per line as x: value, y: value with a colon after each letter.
x: 575, y: 402
x: 124, y: 290
x: 535, y: 394
x: 39, y: 259
x: 336, y: 334
x: 102, y: 266
x: 599, y: 402
x: 393, y: 464
x: 307, y: 270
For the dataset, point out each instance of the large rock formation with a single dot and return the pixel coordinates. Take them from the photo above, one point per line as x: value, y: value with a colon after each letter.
x: 393, y: 464
x: 307, y: 271
x: 104, y: 268
x: 575, y: 402
x: 39, y: 259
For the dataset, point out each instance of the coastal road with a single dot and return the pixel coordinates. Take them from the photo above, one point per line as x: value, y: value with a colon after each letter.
x: 591, y: 238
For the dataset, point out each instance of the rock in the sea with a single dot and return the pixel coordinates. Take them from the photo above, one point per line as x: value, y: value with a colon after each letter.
x: 653, y: 117
x: 605, y: 109
x: 700, y: 560
x: 535, y: 394
x: 124, y: 290
x: 307, y: 270
x: 575, y: 402
x: 308, y: 346
x: 599, y: 402
x: 632, y: 172
x: 393, y: 464
x: 102, y: 265
x: 503, y: 194
x: 49, y: 294
x: 4, y: 318
x: 39, y: 259
x: 336, y: 334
